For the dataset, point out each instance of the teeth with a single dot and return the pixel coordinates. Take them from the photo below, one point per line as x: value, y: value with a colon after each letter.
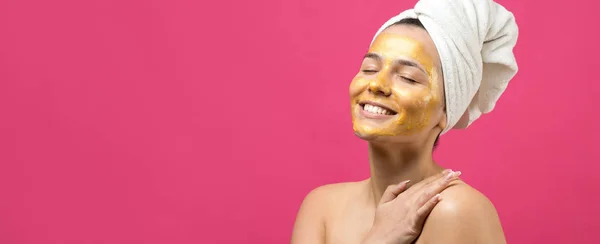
x: 376, y: 109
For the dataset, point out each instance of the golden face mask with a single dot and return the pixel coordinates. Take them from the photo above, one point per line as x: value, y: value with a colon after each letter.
x: 396, y: 92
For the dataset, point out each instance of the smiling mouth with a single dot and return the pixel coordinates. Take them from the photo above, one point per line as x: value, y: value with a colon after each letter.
x: 376, y: 109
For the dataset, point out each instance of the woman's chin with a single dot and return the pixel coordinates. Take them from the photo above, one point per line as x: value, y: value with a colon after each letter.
x: 365, y: 136
x: 377, y: 134
x: 372, y: 134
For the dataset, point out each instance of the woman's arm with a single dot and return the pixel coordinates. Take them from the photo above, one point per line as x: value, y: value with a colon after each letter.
x: 402, y: 212
x: 398, y: 219
x: 309, y: 227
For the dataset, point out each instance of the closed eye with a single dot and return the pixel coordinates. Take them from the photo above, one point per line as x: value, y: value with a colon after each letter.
x: 409, y: 79
x: 369, y: 71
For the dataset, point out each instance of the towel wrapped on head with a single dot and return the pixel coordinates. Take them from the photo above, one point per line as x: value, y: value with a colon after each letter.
x: 475, y: 40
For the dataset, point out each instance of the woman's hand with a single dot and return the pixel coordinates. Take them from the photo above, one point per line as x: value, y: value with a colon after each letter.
x: 401, y: 212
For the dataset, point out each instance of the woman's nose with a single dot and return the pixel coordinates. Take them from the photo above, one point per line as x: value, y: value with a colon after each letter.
x: 380, y: 86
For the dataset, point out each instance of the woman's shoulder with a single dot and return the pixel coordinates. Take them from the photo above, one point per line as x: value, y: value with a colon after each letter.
x: 464, y: 215
x: 322, y: 199
x: 315, y: 209
x: 325, y: 194
x: 461, y: 195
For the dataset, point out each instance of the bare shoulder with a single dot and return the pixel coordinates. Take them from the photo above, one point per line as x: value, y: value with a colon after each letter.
x: 464, y: 215
x: 309, y: 226
x: 326, y: 195
x: 335, y: 190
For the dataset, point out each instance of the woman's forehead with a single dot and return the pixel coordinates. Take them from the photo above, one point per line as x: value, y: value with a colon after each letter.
x: 419, y: 39
x: 394, y: 47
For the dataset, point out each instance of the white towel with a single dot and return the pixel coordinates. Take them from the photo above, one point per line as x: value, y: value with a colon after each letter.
x: 475, y: 40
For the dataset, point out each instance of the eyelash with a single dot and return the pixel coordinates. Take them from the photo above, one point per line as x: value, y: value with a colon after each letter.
x: 370, y: 71
x: 409, y: 80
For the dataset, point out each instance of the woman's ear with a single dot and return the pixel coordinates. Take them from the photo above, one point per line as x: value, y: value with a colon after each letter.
x: 443, y: 121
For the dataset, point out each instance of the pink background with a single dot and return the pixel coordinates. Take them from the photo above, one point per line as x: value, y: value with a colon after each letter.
x: 188, y: 122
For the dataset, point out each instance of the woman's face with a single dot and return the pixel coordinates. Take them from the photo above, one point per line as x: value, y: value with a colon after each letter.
x: 398, y: 93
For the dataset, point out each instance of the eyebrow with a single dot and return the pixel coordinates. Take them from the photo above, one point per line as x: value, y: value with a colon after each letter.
x: 397, y: 61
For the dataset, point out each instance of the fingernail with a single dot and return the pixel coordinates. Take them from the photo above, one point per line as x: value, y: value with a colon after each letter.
x: 404, y: 182
x: 438, y: 197
x: 457, y: 173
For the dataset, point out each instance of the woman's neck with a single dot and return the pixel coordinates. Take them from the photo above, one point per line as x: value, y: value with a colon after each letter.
x: 392, y: 164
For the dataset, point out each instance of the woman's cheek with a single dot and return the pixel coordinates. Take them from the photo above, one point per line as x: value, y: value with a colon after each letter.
x: 358, y: 85
x: 416, y: 112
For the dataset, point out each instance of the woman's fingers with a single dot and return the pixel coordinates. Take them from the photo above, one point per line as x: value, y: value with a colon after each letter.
x: 424, y: 211
x: 434, y: 177
x: 436, y: 187
x: 420, y: 185
x: 392, y: 191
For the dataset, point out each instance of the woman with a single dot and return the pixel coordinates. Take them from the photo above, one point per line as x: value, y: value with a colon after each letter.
x: 432, y: 68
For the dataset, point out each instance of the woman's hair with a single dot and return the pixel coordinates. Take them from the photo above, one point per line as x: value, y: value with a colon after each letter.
x: 411, y: 21
x: 417, y: 23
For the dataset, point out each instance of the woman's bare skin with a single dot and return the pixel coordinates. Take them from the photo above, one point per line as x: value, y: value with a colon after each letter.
x: 397, y: 105
x: 344, y: 213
